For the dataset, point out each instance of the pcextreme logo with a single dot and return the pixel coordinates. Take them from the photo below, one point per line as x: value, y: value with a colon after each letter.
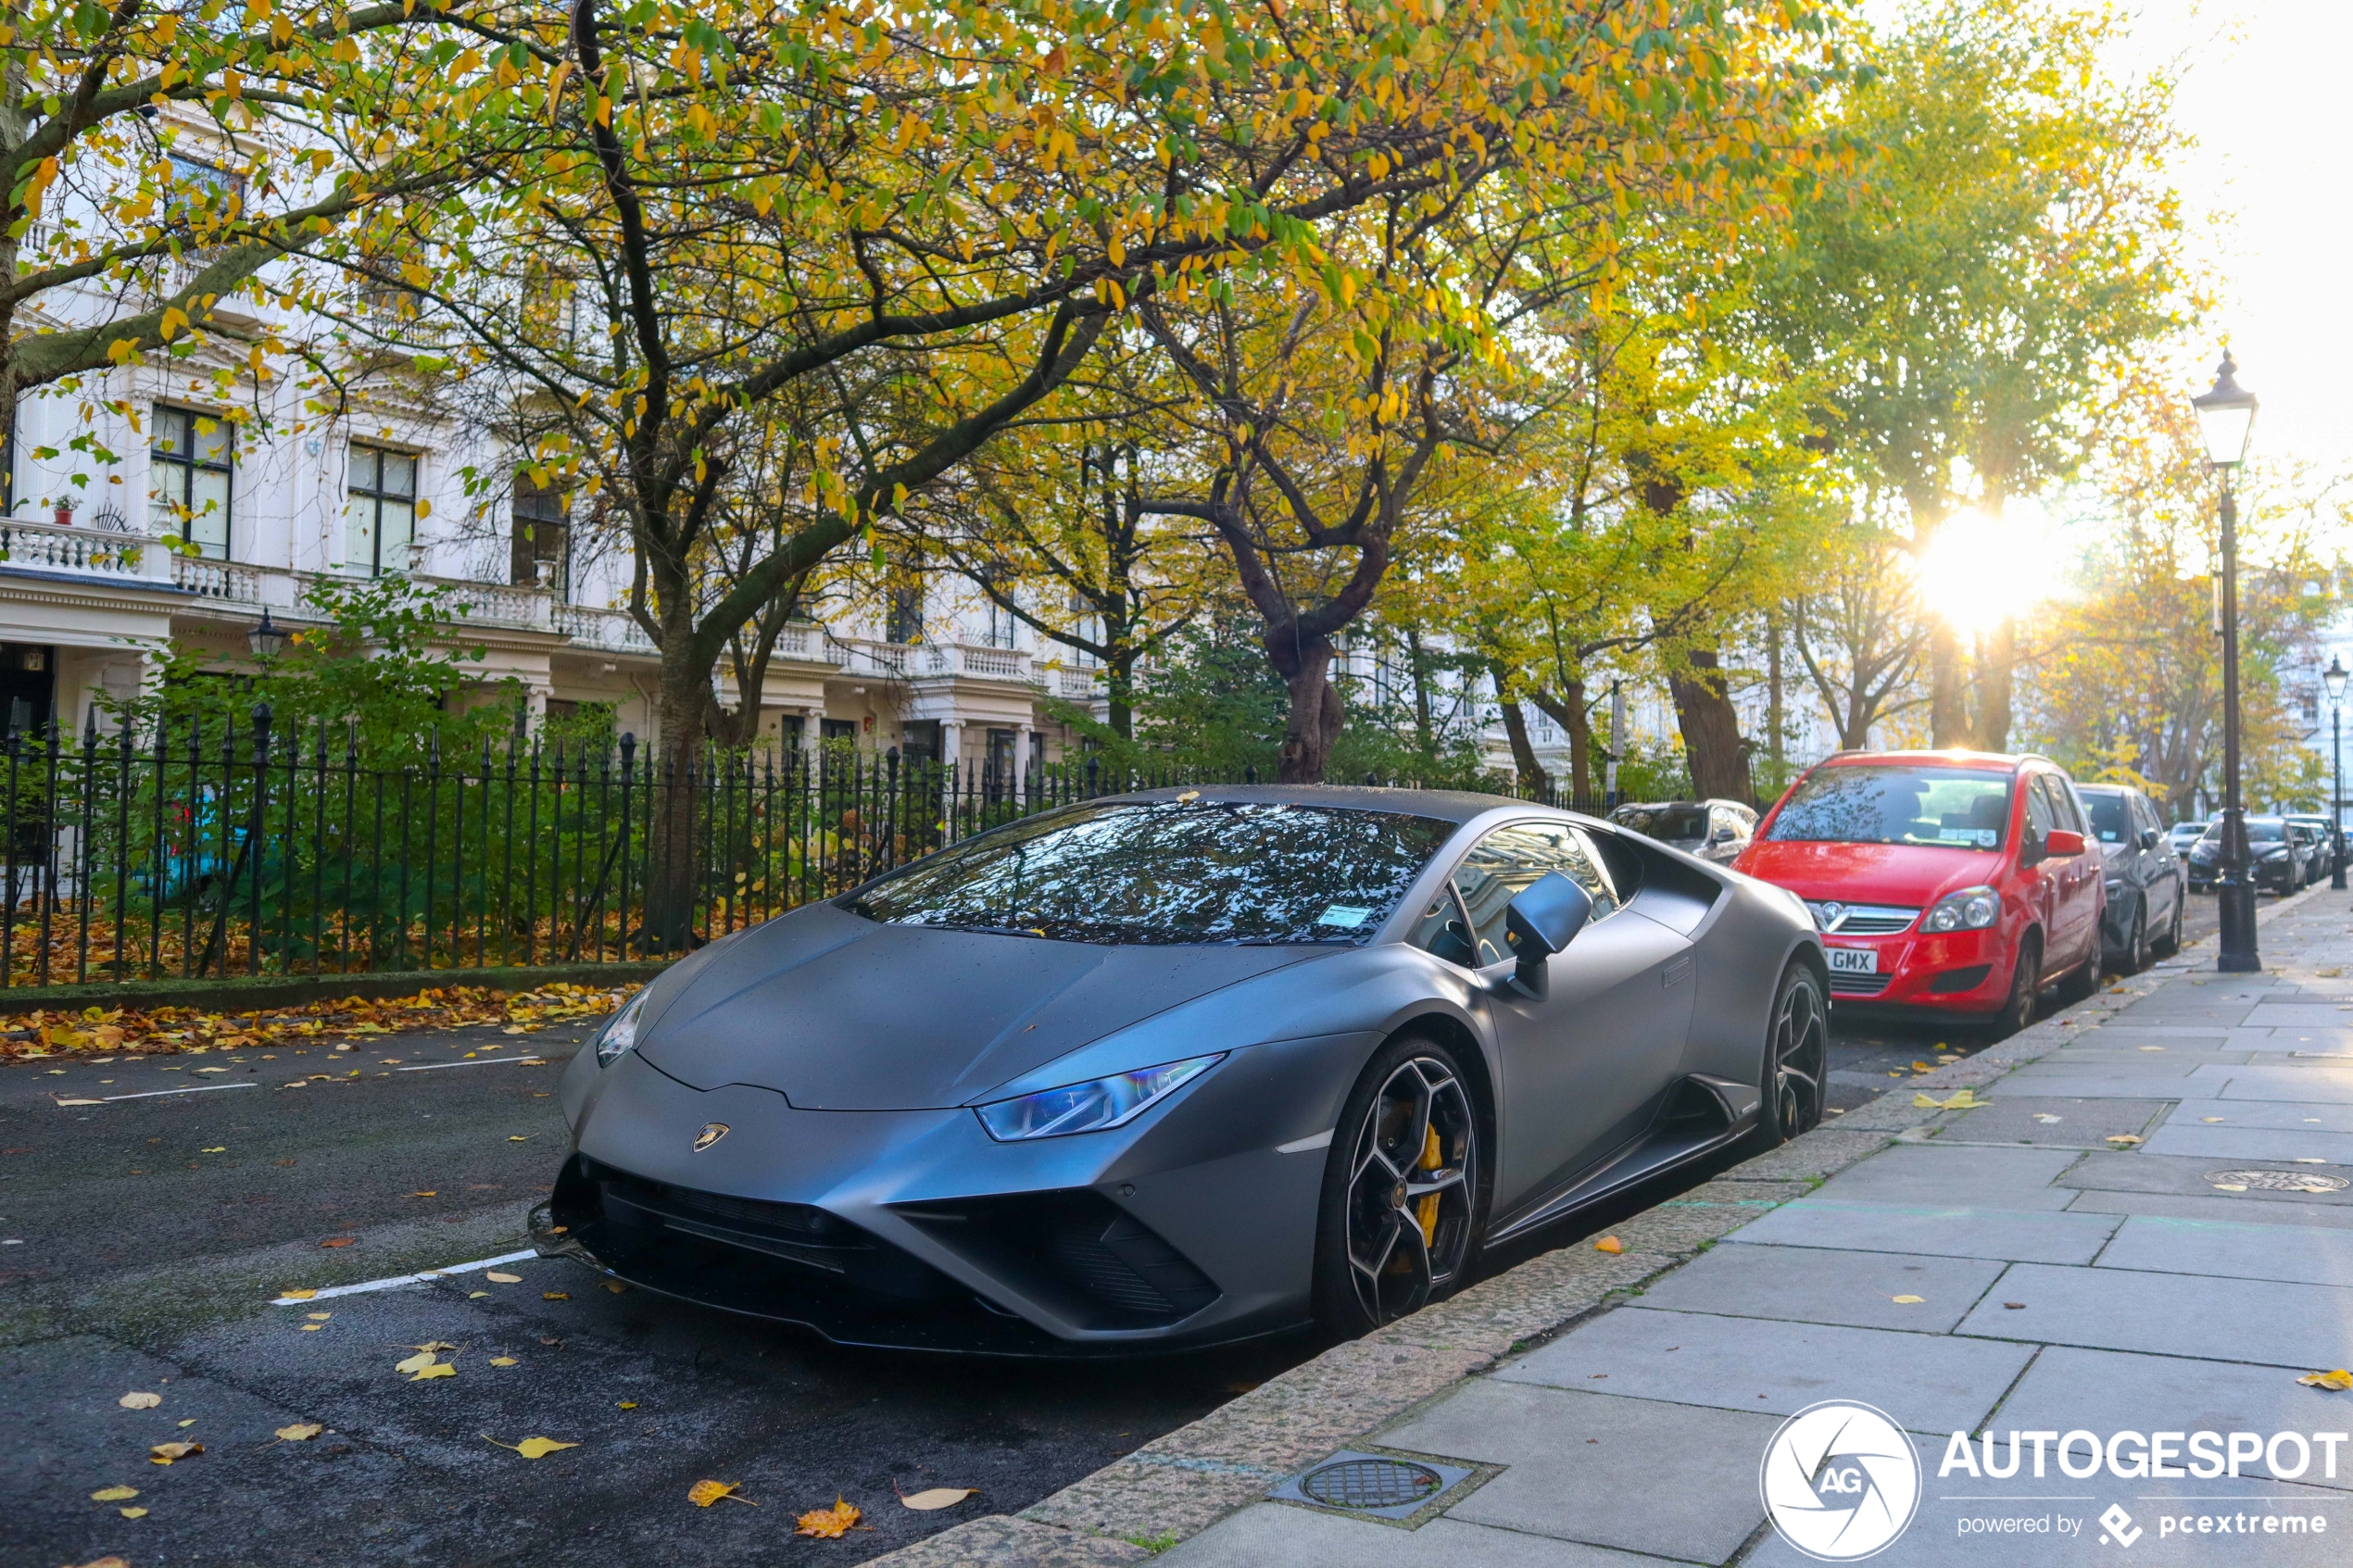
x: 1841, y: 1481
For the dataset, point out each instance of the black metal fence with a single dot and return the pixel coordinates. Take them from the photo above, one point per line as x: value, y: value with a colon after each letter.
x: 191, y: 850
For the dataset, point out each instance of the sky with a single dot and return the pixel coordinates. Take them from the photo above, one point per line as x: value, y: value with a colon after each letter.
x: 2269, y: 195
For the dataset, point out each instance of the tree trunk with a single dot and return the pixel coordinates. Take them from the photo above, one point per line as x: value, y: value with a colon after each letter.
x: 1948, y: 723
x: 1711, y: 725
x: 1996, y: 659
x: 1776, y: 716
x: 1532, y: 782
x: 670, y: 799
x: 1317, y: 712
x: 1567, y: 711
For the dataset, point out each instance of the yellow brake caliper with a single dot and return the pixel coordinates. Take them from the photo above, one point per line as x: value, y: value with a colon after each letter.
x: 1426, y: 1209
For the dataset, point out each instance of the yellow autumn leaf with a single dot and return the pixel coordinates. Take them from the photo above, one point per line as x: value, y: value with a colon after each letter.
x: 303, y: 1295
x: 503, y: 1361
x: 2124, y: 1137
x: 439, y: 1369
x: 2340, y: 1378
x: 318, y: 1317
x: 629, y: 1405
x: 132, y: 1512
x: 1609, y: 1244
x: 1907, y: 1300
x: 702, y: 1493
x: 167, y: 1453
x: 531, y: 1448
x: 494, y: 1278
x: 301, y: 1431
x: 554, y: 1296
x: 115, y: 1494
x: 416, y: 1362
x: 937, y: 1497
x: 140, y: 1400
x: 828, y: 1523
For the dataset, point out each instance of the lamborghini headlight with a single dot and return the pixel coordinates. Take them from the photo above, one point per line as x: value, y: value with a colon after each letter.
x: 1972, y: 908
x: 620, y: 1033
x: 1090, y: 1107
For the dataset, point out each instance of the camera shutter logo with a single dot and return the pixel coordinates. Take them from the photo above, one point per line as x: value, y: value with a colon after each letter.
x: 1841, y: 1481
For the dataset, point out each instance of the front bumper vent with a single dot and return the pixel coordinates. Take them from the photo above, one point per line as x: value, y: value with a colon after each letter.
x: 1093, y: 1261
x: 1858, y: 985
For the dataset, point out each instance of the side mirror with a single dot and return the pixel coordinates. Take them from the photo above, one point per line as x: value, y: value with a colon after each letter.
x: 1722, y: 835
x: 2062, y: 842
x: 2034, y: 848
x: 1544, y: 918
x: 2148, y: 838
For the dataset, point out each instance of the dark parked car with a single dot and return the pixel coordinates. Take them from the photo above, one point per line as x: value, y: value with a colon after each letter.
x: 1182, y: 1067
x: 2327, y: 841
x: 2277, y: 857
x: 2147, y: 888
x: 1713, y: 830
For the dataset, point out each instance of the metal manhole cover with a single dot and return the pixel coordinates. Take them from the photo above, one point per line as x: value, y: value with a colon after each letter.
x: 1365, y: 1484
x: 2276, y: 1181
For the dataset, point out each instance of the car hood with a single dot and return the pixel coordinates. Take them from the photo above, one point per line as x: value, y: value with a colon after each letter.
x: 838, y: 1012
x: 1910, y: 875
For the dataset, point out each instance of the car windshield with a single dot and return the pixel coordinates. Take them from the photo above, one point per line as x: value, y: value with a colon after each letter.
x: 1166, y: 871
x: 1664, y: 821
x: 1954, y: 808
x: 2259, y: 830
x: 2111, y: 820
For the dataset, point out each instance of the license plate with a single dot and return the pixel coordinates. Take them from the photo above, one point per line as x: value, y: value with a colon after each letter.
x: 1853, y: 960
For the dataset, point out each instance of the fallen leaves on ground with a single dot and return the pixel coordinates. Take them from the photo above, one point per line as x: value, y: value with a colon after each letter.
x: 629, y: 1405
x: 503, y: 1361
x: 1907, y: 1300
x: 305, y: 1294
x: 702, y: 1493
x: 132, y: 1512
x: 108, y: 1561
x: 2048, y: 1120
x: 1962, y: 1101
x: 426, y: 1363
x: 301, y: 1431
x: 2340, y: 1378
x: 531, y: 1448
x: 828, y: 1523
x: 554, y: 1296
x: 339, y: 1241
x: 318, y: 1317
x: 165, y: 1031
x: 494, y: 1278
x: 115, y: 1494
x: 137, y: 1401
x: 2124, y: 1138
x: 937, y: 1497
x: 171, y: 1453
x: 1609, y: 1244
x: 427, y: 1193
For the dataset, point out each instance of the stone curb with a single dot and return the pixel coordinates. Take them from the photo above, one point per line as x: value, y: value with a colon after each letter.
x: 1178, y: 1485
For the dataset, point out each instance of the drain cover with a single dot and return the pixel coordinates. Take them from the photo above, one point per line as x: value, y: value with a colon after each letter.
x: 1366, y: 1484
x: 2277, y: 1180
x: 1387, y: 1487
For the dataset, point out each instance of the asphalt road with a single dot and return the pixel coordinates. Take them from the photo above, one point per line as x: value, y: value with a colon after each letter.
x: 146, y: 1236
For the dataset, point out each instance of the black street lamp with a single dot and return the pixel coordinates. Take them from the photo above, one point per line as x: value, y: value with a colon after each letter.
x: 2333, y: 678
x: 266, y: 640
x: 2225, y: 416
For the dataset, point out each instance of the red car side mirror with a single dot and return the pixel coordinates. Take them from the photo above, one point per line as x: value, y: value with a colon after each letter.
x: 2062, y: 840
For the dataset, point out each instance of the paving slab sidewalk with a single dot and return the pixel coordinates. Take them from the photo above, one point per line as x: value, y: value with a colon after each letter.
x: 2146, y: 1227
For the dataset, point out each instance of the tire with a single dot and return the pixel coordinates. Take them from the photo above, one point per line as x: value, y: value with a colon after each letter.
x: 2018, y: 1011
x: 2137, y: 955
x: 1386, y: 1243
x: 2079, y: 983
x: 2168, y: 945
x: 1796, y: 1058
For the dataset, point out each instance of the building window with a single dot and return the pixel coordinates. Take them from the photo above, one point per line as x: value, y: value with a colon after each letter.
x: 379, y: 509
x: 543, y: 519
x: 189, y: 468
x: 903, y: 622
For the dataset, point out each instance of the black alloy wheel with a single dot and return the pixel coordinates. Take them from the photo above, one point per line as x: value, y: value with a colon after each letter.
x: 1402, y: 1190
x: 2137, y: 953
x: 1797, y: 1057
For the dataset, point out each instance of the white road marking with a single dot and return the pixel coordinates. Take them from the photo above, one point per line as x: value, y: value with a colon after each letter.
x: 402, y: 1279
x: 495, y: 1062
x: 191, y: 1089
x: 1300, y: 1146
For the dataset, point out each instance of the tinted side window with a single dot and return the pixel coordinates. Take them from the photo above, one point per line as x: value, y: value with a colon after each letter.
x: 2038, y: 807
x: 1512, y: 858
x: 1443, y: 931
x: 2065, y: 812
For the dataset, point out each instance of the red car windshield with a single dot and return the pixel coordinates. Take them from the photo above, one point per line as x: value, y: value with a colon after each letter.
x: 1951, y: 807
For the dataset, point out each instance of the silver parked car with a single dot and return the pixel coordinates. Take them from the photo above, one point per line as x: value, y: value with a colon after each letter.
x: 1713, y: 830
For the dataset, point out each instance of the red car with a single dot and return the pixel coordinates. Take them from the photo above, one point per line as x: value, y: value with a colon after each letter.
x: 1943, y: 883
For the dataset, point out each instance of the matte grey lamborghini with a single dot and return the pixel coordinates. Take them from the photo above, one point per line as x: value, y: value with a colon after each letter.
x: 1171, y: 1068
